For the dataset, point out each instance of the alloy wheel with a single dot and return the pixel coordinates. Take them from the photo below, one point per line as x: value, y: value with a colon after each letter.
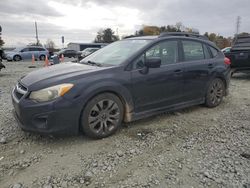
x: 216, y: 92
x: 104, y: 117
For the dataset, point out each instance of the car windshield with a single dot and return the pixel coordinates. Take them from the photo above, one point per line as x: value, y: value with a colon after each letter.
x: 116, y: 53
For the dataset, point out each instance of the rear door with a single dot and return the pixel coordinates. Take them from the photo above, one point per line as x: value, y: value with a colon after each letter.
x: 157, y: 87
x: 25, y: 53
x: 197, y: 69
x: 34, y: 51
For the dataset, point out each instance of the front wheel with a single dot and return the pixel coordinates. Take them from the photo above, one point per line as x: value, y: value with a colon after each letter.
x: 102, y: 116
x: 215, y: 93
x: 17, y: 58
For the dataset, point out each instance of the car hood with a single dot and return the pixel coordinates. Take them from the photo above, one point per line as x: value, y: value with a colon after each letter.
x: 56, y: 73
x: 11, y: 52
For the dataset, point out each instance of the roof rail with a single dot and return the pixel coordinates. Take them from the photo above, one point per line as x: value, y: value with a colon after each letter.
x: 184, y: 34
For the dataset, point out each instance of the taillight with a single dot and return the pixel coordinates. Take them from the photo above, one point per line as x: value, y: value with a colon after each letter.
x: 227, y: 61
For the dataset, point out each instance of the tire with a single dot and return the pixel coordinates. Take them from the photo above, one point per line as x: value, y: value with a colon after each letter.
x: 102, y: 116
x: 215, y: 93
x: 42, y: 57
x: 17, y: 58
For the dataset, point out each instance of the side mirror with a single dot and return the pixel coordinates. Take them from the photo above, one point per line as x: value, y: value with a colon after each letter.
x: 153, y: 62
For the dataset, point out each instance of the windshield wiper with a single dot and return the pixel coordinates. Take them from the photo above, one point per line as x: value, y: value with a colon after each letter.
x: 93, y: 63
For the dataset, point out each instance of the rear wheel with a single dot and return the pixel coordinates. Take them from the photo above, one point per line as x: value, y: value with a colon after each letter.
x: 17, y: 58
x: 102, y: 116
x: 42, y: 57
x: 215, y: 93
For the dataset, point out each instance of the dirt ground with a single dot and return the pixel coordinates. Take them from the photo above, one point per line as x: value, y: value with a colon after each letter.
x: 194, y: 147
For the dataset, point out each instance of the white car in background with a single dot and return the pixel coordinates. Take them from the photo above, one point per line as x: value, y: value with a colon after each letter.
x: 227, y: 49
x: 23, y: 53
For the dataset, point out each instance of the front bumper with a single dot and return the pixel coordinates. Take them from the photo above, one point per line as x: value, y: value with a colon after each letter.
x: 9, y: 58
x: 58, y: 117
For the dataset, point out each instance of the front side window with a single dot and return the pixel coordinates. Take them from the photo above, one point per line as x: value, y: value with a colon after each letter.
x: 25, y: 50
x: 167, y: 51
x: 193, y: 50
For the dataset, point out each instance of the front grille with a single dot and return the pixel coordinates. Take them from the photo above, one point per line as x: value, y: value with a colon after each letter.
x: 20, y: 91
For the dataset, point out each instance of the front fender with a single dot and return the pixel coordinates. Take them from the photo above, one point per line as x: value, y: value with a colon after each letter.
x: 122, y: 91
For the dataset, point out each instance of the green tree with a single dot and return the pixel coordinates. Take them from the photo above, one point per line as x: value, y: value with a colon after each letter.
x: 179, y: 26
x: 212, y: 37
x: 244, y: 34
x: 219, y: 40
x: 50, y: 45
x: 1, y: 40
x: 106, y: 36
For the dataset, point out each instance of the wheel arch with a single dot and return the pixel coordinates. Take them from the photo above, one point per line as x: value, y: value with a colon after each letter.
x: 220, y: 76
x: 122, y: 94
x: 16, y: 56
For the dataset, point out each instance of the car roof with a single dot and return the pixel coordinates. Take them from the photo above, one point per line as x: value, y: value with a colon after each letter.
x: 34, y: 47
x: 175, y: 35
x: 143, y: 38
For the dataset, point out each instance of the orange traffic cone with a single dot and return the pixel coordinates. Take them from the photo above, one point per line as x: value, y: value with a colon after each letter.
x: 33, y: 59
x: 32, y: 62
x: 46, y: 62
x: 62, y: 58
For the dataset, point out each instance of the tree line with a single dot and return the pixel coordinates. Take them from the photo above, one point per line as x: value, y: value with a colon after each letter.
x: 108, y: 35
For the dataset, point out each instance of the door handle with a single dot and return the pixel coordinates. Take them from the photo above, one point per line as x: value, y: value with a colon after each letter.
x: 178, y: 71
x: 210, y: 65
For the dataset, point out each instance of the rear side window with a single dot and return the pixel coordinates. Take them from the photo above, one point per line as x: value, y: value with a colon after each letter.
x: 41, y: 49
x: 33, y: 49
x: 213, y: 51
x: 206, y: 52
x: 193, y: 50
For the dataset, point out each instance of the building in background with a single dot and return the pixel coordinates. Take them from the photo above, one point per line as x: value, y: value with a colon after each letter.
x: 82, y: 46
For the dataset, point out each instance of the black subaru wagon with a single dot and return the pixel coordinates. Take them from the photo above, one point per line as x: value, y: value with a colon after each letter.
x: 125, y: 81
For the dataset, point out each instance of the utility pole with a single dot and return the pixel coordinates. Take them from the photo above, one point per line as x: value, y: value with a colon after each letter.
x: 37, y: 40
x: 238, y: 20
x: 0, y: 32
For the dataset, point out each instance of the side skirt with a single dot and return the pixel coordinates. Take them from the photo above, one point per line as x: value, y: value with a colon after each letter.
x: 140, y: 115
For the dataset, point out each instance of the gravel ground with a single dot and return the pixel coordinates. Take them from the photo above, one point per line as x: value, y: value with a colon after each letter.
x: 195, y: 147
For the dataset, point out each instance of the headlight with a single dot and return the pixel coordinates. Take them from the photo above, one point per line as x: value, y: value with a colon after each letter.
x: 50, y: 93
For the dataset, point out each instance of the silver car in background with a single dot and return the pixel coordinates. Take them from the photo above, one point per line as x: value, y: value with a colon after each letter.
x: 88, y: 51
x: 19, y: 54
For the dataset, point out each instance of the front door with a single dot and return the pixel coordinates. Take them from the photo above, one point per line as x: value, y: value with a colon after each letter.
x: 157, y: 87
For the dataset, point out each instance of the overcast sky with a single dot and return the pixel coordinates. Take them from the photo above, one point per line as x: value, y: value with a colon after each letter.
x: 79, y: 20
